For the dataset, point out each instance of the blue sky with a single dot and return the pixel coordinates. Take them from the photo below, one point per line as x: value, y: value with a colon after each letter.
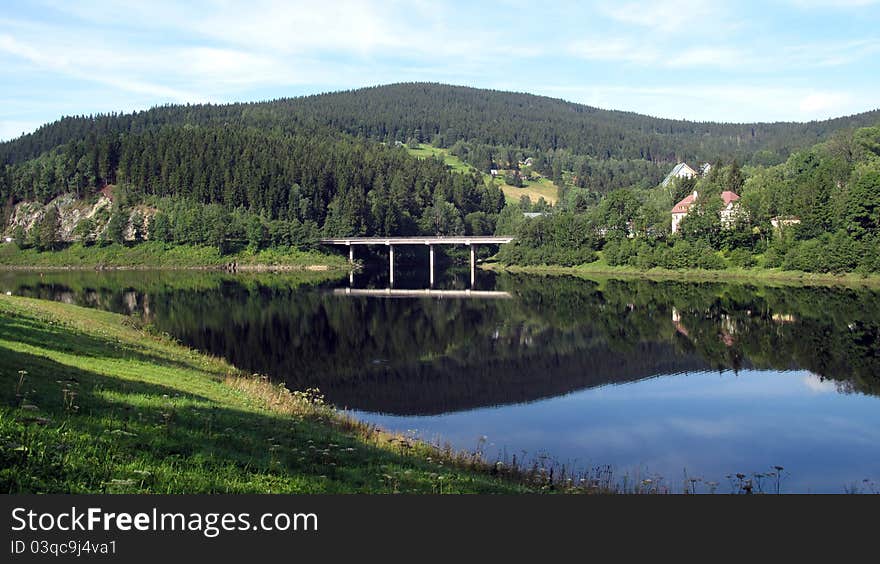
x: 696, y: 59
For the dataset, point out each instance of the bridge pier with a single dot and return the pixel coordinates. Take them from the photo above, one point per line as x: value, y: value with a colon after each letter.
x: 429, y: 240
x: 391, y: 264
x: 473, y: 263
x: 431, y: 253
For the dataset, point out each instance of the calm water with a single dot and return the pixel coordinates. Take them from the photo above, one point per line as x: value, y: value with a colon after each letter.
x: 653, y: 379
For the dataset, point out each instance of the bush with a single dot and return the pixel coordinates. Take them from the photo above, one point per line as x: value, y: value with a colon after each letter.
x: 559, y: 239
x: 829, y: 253
x: 618, y: 252
x: 741, y: 258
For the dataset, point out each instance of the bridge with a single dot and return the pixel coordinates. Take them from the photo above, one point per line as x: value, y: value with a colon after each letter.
x: 428, y: 241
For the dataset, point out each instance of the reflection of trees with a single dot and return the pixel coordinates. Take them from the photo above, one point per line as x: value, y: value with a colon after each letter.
x: 557, y: 334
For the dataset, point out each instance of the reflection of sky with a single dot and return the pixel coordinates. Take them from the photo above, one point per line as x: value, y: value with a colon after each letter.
x: 707, y: 424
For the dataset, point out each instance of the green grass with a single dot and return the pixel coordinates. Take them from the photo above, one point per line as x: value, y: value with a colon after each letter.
x: 92, y: 402
x: 600, y: 268
x: 153, y: 254
x: 453, y: 162
x: 534, y: 189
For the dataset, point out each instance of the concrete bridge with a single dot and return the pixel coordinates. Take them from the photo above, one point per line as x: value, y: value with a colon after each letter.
x: 429, y: 241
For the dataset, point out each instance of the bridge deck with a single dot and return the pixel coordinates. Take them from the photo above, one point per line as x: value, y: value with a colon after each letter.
x: 435, y: 240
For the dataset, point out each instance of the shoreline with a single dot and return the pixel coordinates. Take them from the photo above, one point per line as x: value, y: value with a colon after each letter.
x: 160, y: 256
x: 205, y: 268
x: 147, y: 395
x: 756, y: 276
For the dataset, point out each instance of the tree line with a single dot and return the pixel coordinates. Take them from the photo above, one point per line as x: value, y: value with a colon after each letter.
x: 243, y: 181
x: 824, y: 201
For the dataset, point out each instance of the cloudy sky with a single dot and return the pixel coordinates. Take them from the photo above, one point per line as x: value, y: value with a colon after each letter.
x: 697, y: 59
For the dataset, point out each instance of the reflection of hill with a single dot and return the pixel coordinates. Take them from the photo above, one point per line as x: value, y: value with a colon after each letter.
x: 555, y: 336
x: 428, y: 389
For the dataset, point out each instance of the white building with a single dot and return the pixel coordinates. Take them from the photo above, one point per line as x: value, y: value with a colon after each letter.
x: 681, y: 170
x: 728, y: 213
x: 731, y: 210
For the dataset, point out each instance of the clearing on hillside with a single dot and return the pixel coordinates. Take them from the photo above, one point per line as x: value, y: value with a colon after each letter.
x: 534, y: 189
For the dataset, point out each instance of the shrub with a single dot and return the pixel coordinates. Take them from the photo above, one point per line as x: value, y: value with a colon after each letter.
x: 741, y: 258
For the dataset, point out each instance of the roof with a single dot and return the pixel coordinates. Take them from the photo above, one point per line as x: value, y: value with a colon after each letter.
x: 729, y: 196
x: 676, y: 171
x: 684, y: 205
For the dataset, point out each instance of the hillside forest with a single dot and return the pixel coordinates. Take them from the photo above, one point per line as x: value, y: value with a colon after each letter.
x: 287, y: 172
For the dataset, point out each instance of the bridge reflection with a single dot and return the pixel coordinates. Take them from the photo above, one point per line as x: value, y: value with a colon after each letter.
x: 425, y: 293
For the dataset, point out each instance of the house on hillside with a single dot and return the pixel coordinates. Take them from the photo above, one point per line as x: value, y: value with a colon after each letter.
x: 681, y: 170
x: 705, y: 168
x: 731, y: 209
x: 728, y: 213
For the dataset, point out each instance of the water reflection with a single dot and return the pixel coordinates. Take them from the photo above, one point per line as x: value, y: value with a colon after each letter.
x: 667, y: 375
x: 425, y: 293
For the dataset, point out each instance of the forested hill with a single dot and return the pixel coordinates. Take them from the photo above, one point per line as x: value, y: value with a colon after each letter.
x: 443, y: 114
x: 489, y: 117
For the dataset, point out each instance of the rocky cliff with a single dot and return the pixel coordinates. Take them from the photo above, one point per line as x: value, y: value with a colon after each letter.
x: 71, y: 212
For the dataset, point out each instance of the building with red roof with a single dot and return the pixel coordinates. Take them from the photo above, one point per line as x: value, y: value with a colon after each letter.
x: 728, y: 213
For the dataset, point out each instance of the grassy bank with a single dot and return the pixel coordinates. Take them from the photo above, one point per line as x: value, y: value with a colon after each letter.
x: 159, y: 255
x: 92, y: 402
x: 602, y: 269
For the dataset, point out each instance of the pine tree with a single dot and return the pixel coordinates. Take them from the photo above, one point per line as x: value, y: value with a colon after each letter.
x: 47, y: 230
x: 117, y: 225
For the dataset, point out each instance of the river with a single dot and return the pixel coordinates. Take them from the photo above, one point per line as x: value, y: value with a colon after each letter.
x: 680, y: 383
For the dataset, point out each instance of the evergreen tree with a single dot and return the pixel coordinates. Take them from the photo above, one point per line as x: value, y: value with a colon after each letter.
x: 160, y: 228
x: 48, y: 230
x: 117, y: 225
x: 138, y: 227
x: 85, y: 231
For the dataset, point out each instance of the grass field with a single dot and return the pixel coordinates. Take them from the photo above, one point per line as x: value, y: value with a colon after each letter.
x: 534, y: 189
x: 92, y: 402
x: 152, y: 254
x: 601, y: 269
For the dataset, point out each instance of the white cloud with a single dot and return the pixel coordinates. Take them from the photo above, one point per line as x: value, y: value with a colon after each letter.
x: 612, y: 49
x: 209, y: 47
x: 298, y: 27
x: 88, y: 63
x: 672, y: 17
x: 709, y: 57
x: 712, y: 56
x: 834, y: 3
x: 819, y: 386
x: 734, y: 102
x: 215, y: 50
x: 824, y: 103
x: 826, y: 53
